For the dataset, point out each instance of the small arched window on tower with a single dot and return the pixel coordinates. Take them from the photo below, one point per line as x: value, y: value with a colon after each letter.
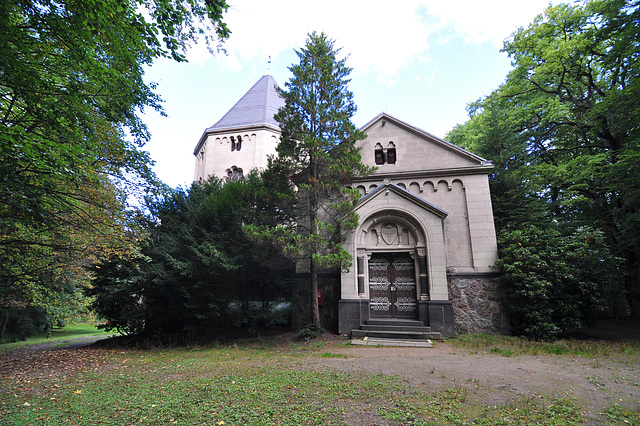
x: 391, y: 153
x: 234, y: 174
x: 379, y: 154
x: 236, y: 143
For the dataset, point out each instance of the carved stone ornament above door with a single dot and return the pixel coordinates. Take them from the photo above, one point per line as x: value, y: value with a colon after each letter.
x: 389, y: 233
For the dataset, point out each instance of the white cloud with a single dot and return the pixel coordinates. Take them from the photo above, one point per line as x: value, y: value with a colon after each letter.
x: 398, y: 50
x: 486, y: 21
x: 381, y: 37
x: 377, y: 38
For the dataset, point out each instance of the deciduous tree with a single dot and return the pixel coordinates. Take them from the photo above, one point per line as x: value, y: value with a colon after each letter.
x: 71, y: 89
x: 564, y: 128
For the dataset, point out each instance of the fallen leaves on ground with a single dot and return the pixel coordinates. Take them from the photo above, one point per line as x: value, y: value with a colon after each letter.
x: 23, y: 367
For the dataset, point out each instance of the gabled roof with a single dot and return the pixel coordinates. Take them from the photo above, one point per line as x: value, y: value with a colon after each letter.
x: 434, y: 139
x: 256, y: 107
x: 388, y: 186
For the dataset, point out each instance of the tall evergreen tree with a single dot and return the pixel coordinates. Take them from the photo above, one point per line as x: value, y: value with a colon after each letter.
x: 198, y: 272
x: 317, y: 149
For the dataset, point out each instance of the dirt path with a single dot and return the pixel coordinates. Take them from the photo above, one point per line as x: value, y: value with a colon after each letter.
x: 74, y: 343
x: 595, y: 384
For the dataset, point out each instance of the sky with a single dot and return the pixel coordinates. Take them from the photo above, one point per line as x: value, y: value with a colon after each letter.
x: 421, y: 61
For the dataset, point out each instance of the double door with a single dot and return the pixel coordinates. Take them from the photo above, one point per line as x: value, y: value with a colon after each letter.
x: 392, y: 286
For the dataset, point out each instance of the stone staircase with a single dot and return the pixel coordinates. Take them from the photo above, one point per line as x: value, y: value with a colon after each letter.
x: 384, y: 331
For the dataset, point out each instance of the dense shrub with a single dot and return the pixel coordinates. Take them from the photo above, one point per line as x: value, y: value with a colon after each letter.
x: 556, y: 283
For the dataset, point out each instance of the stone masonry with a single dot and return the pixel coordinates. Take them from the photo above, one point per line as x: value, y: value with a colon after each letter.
x: 477, y: 304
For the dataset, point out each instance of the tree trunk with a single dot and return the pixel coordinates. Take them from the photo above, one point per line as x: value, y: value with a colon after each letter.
x: 5, y: 321
x: 315, y: 310
x: 313, y: 230
x: 633, y: 288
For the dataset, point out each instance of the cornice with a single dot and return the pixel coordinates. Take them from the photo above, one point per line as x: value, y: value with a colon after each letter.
x: 218, y: 131
x: 395, y: 176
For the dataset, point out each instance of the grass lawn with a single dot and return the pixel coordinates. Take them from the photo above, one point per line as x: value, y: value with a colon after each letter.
x: 258, y: 383
x: 57, y: 335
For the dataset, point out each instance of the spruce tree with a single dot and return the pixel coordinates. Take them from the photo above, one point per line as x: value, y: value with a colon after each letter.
x: 317, y: 149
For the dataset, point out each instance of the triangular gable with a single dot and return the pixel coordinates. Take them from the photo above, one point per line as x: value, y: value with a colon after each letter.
x: 387, y: 187
x: 416, y: 148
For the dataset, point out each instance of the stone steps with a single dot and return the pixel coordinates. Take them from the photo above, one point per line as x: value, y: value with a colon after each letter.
x: 396, y: 322
x: 406, y: 343
x: 395, y: 330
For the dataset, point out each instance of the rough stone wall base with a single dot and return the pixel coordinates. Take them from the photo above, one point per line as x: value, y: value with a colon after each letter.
x: 477, y: 304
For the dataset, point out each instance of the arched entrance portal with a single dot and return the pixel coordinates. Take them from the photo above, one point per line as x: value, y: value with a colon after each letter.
x: 392, y: 266
x: 400, y: 269
x: 392, y: 286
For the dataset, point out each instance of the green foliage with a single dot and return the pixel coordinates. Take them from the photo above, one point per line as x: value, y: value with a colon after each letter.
x: 563, y: 132
x: 310, y: 332
x: 556, y: 283
x: 117, y: 293
x: 71, y: 88
x: 317, y: 151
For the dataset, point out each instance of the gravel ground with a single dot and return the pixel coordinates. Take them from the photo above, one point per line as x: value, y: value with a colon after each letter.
x: 595, y: 384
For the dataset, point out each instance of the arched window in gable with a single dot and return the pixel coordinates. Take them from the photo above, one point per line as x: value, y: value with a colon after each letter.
x: 385, y: 155
x: 236, y: 143
x: 379, y: 154
x: 391, y: 153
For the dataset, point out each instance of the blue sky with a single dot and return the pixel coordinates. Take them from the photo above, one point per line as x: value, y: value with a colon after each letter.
x: 420, y: 61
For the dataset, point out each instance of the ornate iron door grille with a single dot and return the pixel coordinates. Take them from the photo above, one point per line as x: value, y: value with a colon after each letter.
x: 392, y: 286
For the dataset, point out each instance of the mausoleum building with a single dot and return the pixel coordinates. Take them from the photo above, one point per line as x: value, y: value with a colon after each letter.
x: 425, y: 244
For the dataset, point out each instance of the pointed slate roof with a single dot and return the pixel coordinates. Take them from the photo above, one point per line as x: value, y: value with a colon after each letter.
x: 256, y: 107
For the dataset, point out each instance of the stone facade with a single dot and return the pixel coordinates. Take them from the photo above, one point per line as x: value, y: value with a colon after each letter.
x: 432, y: 199
x: 214, y: 155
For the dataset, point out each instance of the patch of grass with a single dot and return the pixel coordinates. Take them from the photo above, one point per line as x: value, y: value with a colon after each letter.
x: 197, y: 386
x: 616, y: 415
x: 501, y: 351
x: 513, y: 346
x: 332, y: 355
x: 595, y: 380
x: 58, y: 335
